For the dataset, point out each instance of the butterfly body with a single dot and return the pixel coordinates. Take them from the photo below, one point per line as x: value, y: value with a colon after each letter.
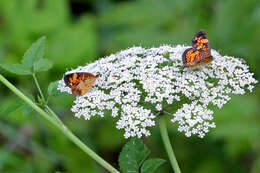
x: 80, y: 83
x: 199, y: 53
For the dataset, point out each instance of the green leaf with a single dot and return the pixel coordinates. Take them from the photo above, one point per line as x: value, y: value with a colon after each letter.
x: 42, y: 65
x: 53, y: 91
x: 16, y: 68
x: 132, y: 155
x: 151, y: 165
x: 34, y: 53
x: 11, y: 108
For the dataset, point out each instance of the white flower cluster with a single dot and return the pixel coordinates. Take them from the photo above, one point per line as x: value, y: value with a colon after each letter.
x: 137, y: 83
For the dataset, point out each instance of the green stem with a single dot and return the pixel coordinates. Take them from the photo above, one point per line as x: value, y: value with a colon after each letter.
x: 167, y: 112
x: 167, y: 144
x: 38, y: 86
x: 54, y: 115
x: 63, y: 128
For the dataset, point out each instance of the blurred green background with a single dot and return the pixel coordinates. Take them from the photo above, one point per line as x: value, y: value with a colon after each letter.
x: 80, y: 31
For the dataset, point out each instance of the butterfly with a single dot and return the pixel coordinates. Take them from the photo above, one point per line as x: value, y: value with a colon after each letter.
x: 80, y: 83
x: 199, y: 53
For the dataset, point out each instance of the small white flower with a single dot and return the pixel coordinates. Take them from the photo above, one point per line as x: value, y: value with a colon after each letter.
x: 158, y: 107
x: 135, y: 83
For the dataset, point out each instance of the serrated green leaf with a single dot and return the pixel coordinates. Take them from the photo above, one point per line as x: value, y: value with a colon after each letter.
x: 53, y: 91
x: 42, y: 65
x: 151, y: 165
x: 132, y: 156
x: 16, y: 68
x: 34, y: 53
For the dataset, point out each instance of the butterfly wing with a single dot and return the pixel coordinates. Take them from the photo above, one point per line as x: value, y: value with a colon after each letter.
x: 191, y: 57
x: 80, y: 83
x: 200, y: 52
x: 200, y: 42
x: 84, y: 86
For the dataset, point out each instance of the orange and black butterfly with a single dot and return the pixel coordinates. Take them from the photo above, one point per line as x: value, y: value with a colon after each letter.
x: 80, y: 83
x: 199, y: 53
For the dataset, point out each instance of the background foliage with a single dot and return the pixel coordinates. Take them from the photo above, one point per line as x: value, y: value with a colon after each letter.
x: 80, y: 31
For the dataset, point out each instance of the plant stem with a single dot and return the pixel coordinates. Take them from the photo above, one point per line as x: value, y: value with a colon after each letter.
x: 60, y: 126
x: 46, y: 101
x: 167, y: 112
x: 38, y: 86
x: 54, y: 115
x: 167, y: 144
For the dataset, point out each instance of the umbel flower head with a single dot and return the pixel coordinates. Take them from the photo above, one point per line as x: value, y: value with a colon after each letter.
x: 137, y: 83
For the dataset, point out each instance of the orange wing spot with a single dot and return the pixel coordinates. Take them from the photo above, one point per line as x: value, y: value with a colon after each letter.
x: 82, y: 77
x: 205, y: 48
x: 73, y: 79
x: 192, y: 56
x: 201, y: 40
x: 200, y: 43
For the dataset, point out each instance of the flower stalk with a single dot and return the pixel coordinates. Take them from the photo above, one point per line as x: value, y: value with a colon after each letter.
x: 57, y: 123
x: 38, y: 87
x: 167, y: 144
